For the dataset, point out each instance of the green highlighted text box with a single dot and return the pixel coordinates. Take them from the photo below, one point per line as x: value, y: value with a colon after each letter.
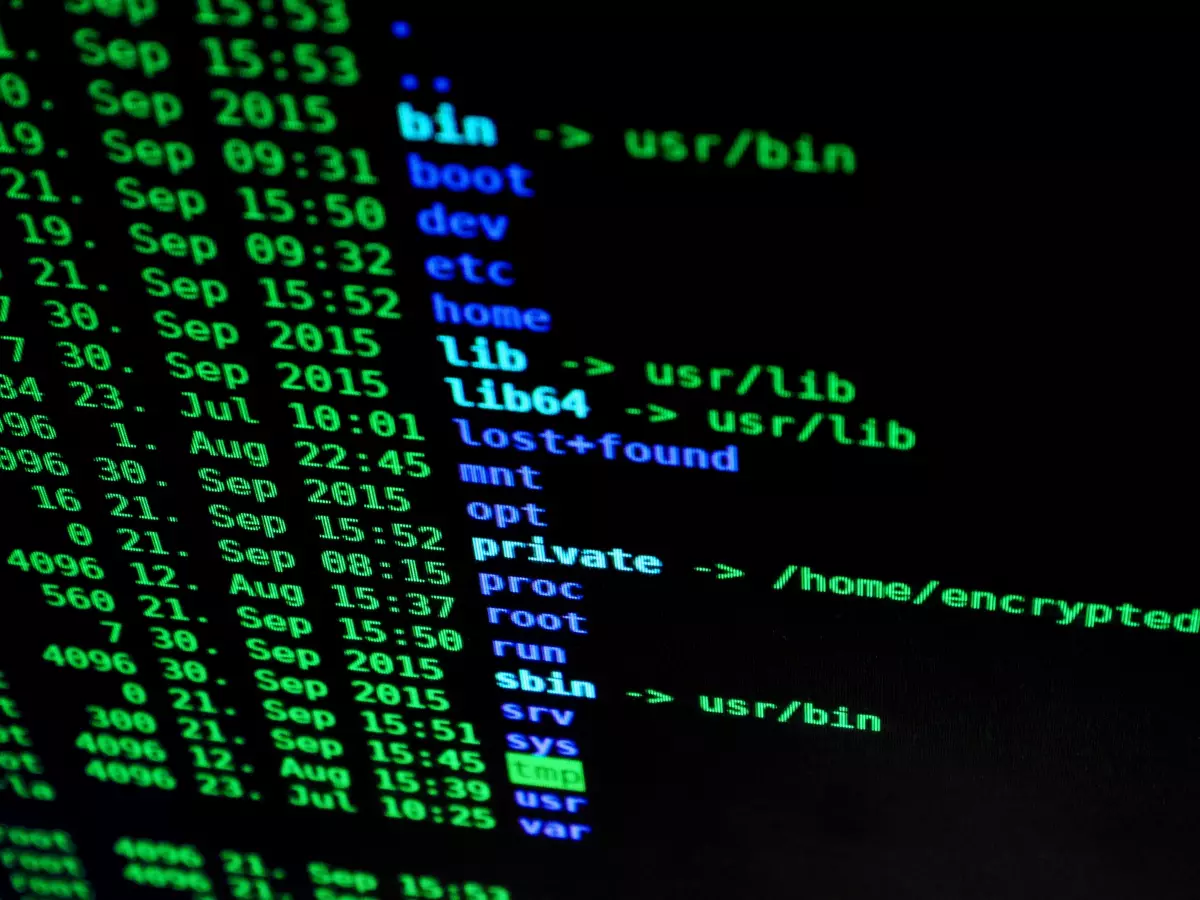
x: 545, y: 772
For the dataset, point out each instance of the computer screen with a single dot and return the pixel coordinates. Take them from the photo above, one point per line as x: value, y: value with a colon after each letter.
x: 530, y: 455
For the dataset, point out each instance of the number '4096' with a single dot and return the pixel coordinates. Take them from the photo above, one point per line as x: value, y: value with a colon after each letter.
x: 62, y: 564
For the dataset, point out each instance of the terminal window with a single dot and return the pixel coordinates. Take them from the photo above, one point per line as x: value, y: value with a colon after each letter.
x: 528, y: 456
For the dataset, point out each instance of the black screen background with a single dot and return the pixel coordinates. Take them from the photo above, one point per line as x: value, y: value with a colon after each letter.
x: 1003, y: 275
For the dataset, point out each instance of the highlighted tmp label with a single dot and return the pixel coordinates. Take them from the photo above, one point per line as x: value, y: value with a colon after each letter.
x: 542, y: 771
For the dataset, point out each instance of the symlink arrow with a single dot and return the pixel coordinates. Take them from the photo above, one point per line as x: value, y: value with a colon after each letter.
x: 594, y: 366
x: 572, y: 137
x: 723, y: 571
x: 655, y: 696
x: 657, y: 413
